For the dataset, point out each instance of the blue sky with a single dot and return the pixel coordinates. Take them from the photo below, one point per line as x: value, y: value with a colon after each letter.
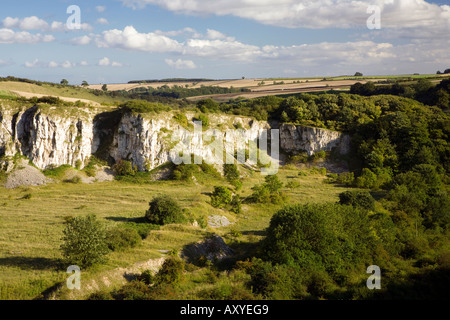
x: 122, y: 40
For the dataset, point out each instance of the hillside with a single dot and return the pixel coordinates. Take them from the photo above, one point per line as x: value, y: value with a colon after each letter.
x: 363, y: 180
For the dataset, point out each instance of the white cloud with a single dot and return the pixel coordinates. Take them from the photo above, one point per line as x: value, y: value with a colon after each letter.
x: 130, y: 39
x: 9, y: 36
x: 83, y: 40
x: 35, y: 23
x: 214, y: 34
x: 36, y: 63
x: 220, y: 49
x: 53, y: 64
x: 84, y: 63
x: 105, y: 62
x: 184, y: 32
x: 100, y: 8
x: 181, y: 64
x: 314, y: 14
x: 102, y: 21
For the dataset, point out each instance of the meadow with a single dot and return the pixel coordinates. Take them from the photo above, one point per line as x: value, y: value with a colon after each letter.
x: 32, y: 220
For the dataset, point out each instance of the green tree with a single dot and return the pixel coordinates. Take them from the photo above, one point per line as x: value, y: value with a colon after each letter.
x: 164, y: 210
x: 84, y: 241
x: 64, y: 82
x: 327, y: 237
x: 85, y: 83
x: 362, y: 199
x: 105, y: 87
x: 220, y: 197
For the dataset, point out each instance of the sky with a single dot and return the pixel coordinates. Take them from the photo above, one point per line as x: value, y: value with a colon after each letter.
x: 117, y: 41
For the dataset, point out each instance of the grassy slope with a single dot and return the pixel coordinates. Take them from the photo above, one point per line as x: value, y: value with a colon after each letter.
x: 68, y: 92
x: 30, y: 230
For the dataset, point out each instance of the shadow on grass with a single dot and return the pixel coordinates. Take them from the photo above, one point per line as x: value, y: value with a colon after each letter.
x: 122, y: 219
x: 28, y: 263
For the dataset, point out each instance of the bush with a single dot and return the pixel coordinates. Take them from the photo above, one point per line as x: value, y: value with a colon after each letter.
x: 171, y: 271
x: 367, y: 179
x: 220, y: 197
x: 236, y: 204
x: 146, y: 277
x: 204, y: 119
x: 84, y: 241
x: 164, y: 210
x: 121, y: 238
x: 268, y: 191
x: 362, y: 199
x: 184, y: 172
x: 124, y: 168
x: 231, y: 172
x: 327, y: 237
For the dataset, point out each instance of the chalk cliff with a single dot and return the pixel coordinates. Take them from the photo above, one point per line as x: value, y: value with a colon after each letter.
x: 54, y: 136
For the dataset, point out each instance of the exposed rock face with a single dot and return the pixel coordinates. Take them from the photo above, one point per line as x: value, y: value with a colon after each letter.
x: 295, y: 139
x: 56, y: 136
x: 47, y: 138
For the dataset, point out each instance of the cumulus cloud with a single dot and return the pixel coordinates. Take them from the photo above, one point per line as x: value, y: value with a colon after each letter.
x: 36, y: 63
x: 83, y: 40
x: 106, y: 62
x: 9, y: 36
x: 313, y: 14
x: 102, y: 21
x: 35, y: 23
x: 130, y: 39
x: 181, y: 64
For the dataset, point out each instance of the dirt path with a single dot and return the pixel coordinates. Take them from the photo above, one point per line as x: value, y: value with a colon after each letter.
x: 114, y: 278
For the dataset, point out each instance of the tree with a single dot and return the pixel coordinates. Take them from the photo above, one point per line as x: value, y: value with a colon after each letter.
x: 220, y: 197
x: 85, y: 83
x: 64, y: 82
x: 328, y: 237
x: 358, y: 74
x: 84, y: 241
x: 105, y: 87
x: 164, y: 210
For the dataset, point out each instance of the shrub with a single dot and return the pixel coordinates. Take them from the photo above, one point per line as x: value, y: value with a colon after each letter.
x: 181, y: 119
x: 268, y: 191
x: 134, y: 290
x: 231, y: 172
x: 327, y: 237
x: 146, y: 277
x: 124, y: 168
x: 101, y: 296
x: 236, y: 204
x: 367, y: 179
x: 121, y: 238
x: 184, y: 172
x: 164, y: 210
x: 361, y: 199
x: 345, y: 178
x: 220, y: 197
x: 204, y: 119
x: 84, y: 241
x: 171, y: 271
